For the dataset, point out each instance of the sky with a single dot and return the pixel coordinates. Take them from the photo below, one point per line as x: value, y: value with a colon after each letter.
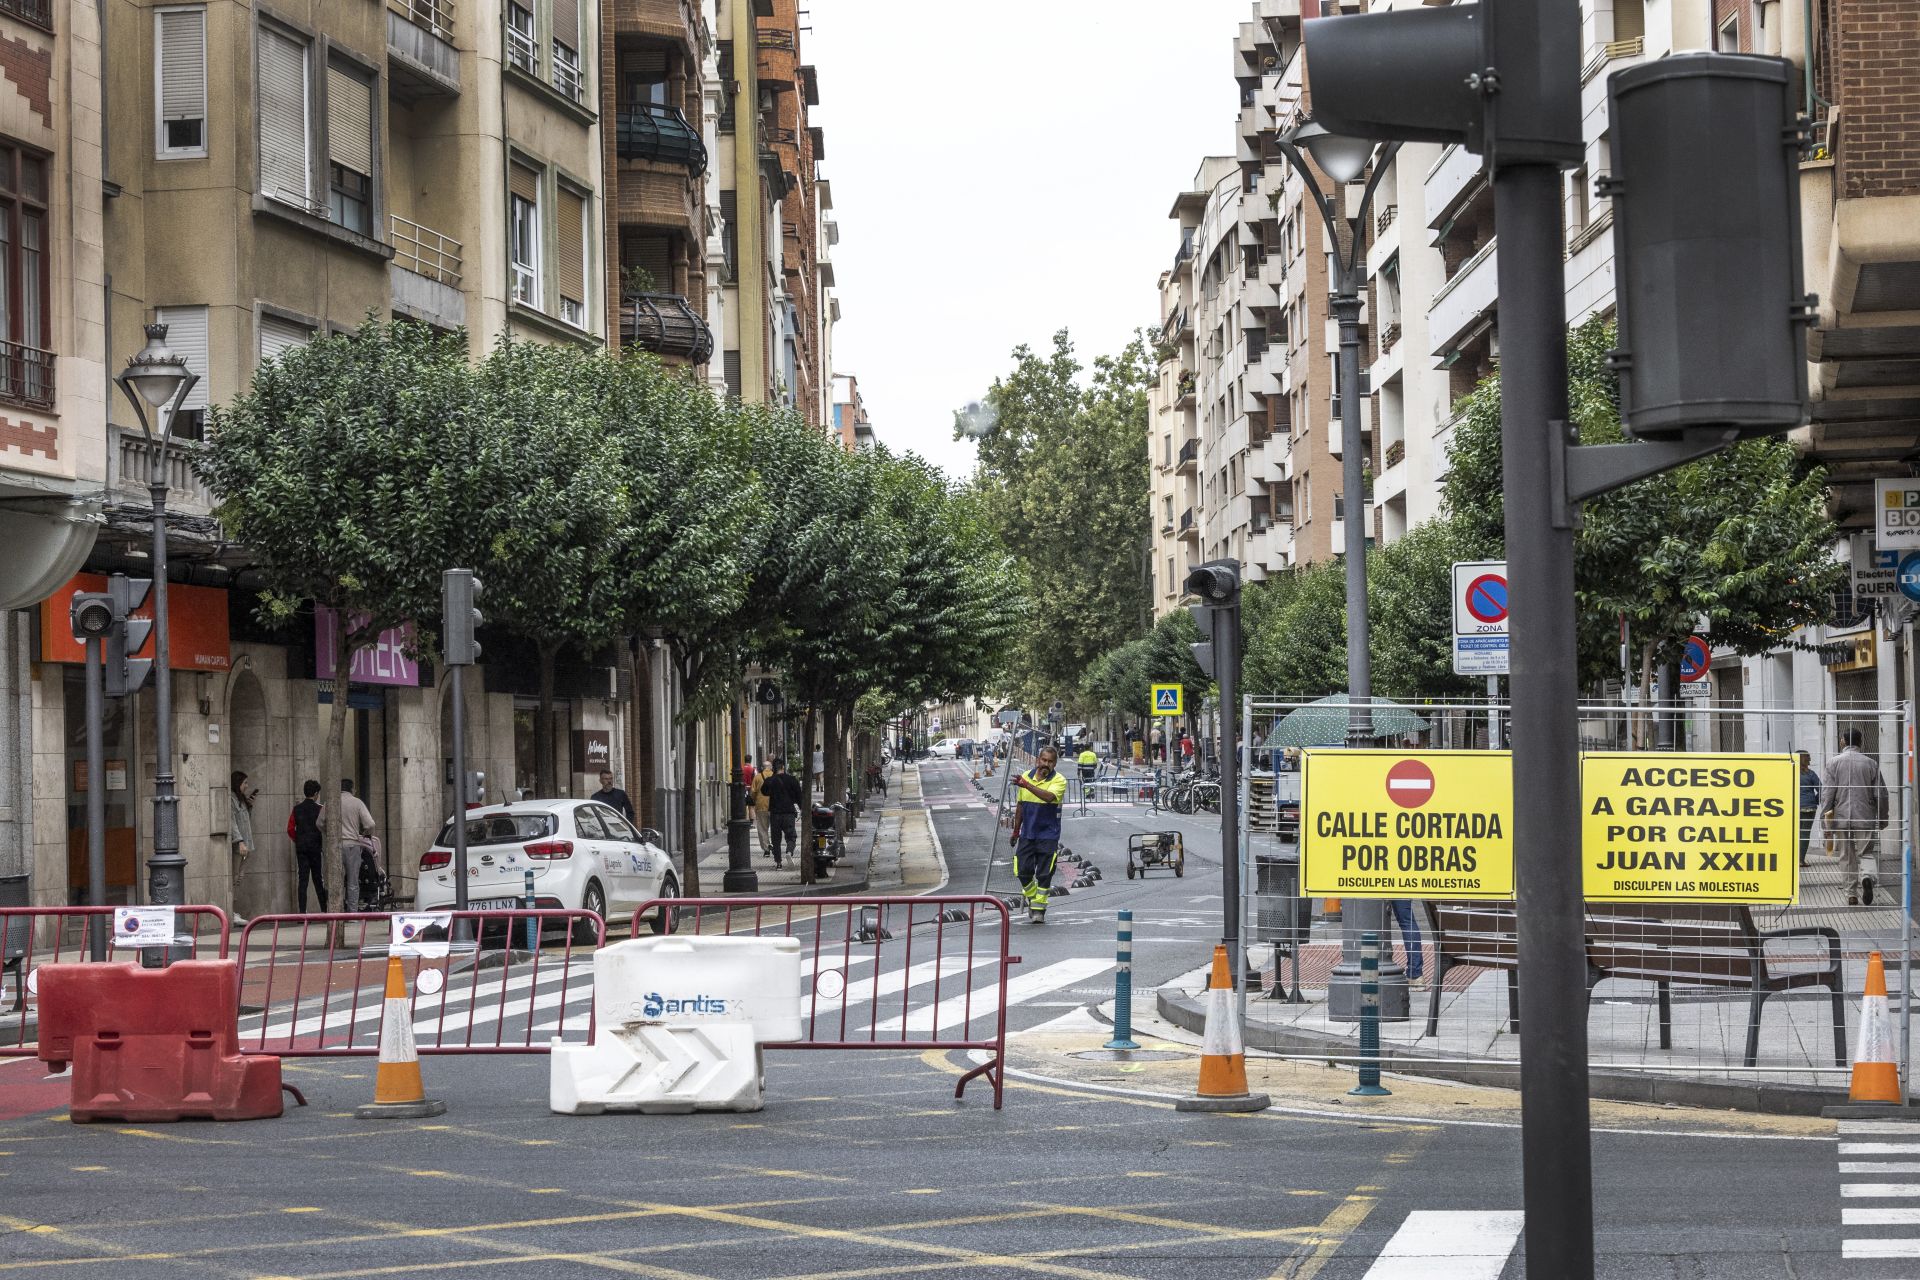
x: 1003, y: 169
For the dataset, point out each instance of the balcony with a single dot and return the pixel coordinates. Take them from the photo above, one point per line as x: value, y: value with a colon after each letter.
x: 1183, y: 392
x: 421, y: 57
x: 675, y: 20
x: 1470, y: 294
x: 426, y: 273
x: 1385, y: 219
x: 26, y: 375
x: 1189, y: 530
x: 664, y: 324
x: 774, y: 38
x: 1188, y: 457
x: 1448, y: 183
x: 138, y: 467
x: 655, y: 132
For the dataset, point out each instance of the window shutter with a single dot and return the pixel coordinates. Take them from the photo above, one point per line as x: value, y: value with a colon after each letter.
x: 349, y: 121
x: 278, y: 336
x: 182, y: 36
x: 573, y: 249
x: 187, y: 335
x: 524, y: 182
x: 284, y: 165
x: 566, y: 23
x: 730, y: 365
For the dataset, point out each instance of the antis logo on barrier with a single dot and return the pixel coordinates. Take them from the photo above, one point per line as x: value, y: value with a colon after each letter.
x: 657, y: 1005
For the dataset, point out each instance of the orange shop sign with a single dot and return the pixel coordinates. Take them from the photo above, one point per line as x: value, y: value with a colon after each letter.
x: 196, y: 625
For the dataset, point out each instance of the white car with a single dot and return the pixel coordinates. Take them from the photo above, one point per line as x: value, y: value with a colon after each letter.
x: 945, y: 749
x: 583, y: 855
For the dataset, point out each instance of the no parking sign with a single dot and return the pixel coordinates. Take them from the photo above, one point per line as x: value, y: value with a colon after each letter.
x: 1480, y: 618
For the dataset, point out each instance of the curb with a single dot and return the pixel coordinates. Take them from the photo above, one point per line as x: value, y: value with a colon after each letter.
x: 1611, y: 1085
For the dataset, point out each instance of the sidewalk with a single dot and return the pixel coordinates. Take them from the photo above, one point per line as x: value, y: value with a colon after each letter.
x: 872, y: 861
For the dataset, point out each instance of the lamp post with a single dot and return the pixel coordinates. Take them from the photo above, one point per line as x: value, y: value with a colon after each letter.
x: 740, y: 876
x: 1344, y: 159
x: 156, y: 382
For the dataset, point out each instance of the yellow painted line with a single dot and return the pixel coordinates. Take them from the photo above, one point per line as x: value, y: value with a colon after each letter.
x: 1330, y: 1235
x: 413, y: 1268
x: 90, y: 1168
x: 921, y: 1191
x: 971, y: 1220
x: 158, y: 1136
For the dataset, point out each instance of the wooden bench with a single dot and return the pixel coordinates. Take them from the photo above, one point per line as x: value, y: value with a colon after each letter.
x: 1667, y: 944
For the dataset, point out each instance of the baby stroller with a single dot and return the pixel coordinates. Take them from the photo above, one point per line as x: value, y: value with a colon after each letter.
x: 374, y: 890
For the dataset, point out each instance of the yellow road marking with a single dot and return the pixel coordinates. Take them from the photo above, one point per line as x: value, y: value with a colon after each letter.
x: 1327, y: 1238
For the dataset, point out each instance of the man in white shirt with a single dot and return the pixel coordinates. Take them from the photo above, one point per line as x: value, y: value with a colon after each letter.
x: 356, y: 836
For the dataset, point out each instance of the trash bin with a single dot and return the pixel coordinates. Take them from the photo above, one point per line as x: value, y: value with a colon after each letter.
x: 1283, y: 917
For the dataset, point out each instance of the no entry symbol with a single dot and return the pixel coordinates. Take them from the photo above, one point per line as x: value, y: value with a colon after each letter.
x: 1410, y: 784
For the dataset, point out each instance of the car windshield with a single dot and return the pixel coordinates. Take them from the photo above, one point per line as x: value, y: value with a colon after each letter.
x: 502, y: 828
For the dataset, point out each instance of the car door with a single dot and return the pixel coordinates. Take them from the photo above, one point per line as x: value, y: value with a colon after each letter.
x: 644, y: 864
x: 602, y: 865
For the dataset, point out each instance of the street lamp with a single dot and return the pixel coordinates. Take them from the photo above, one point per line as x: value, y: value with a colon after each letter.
x: 1344, y: 159
x: 156, y: 382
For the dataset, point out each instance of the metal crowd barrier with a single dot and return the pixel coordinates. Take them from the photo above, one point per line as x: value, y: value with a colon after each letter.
x: 946, y: 972
x: 33, y: 936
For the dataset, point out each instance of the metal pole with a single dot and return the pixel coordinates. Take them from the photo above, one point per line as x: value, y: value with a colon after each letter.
x: 96, y: 796
x: 1493, y: 713
x: 740, y: 877
x: 1906, y: 871
x: 1226, y: 648
x: 1668, y: 723
x: 1369, y: 1085
x: 1556, y: 1143
x: 459, y: 696
x: 1123, y: 986
x: 166, y: 869
x: 1246, y: 827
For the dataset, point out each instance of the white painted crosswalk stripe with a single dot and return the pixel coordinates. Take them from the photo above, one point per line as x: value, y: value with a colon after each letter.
x: 951, y: 1013
x: 1878, y: 1138
x: 1879, y: 1148
x: 1878, y: 1190
x: 1449, y: 1245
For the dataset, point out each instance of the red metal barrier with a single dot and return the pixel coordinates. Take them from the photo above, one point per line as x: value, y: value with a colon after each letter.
x: 313, y: 986
x: 35, y: 936
x: 939, y: 965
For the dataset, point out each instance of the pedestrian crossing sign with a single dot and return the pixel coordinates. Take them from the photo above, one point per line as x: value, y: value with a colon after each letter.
x: 1166, y: 700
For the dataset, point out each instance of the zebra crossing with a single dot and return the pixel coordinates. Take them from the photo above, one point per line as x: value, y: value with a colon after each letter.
x: 1878, y: 1161
x: 843, y: 998
x: 1449, y: 1245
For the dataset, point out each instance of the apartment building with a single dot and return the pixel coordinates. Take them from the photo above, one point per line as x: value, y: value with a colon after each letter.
x: 850, y: 422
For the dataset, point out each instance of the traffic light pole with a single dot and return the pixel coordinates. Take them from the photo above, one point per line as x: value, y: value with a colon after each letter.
x: 1555, y: 1141
x: 96, y: 798
x: 166, y: 869
x: 457, y: 674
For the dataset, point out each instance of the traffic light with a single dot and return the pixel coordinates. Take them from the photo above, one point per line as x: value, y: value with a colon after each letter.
x: 91, y: 614
x: 461, y: 616
x: 1711, y: 298
x: 1500, y: 77
x: 1217, y: 583
x: 127, y: 674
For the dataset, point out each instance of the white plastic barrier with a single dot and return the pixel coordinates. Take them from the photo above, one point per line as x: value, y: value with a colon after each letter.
x: 679, y: 1025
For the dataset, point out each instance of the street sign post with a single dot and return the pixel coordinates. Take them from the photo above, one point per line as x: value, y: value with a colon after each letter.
x: 1480, y: 618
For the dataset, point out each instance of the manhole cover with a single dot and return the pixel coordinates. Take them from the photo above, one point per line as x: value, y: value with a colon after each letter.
x: 1132, y: 1055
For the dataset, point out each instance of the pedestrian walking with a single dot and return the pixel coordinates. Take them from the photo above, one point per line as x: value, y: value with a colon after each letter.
x: 1406, y: 915
x: 1159, y: 747
x: 309, y: 843
x: 1186, y: 749
x: 240, y: 800
x: 356, y: 841
x: 1810, y: 786
x: 1036, y: 831
x: 1854, y: 801
x: 614, y: 797
x: 758, y: 795
x: 783, y: 808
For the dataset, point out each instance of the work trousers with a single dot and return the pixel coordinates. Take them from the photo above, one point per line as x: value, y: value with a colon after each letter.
x: 1033, y: 862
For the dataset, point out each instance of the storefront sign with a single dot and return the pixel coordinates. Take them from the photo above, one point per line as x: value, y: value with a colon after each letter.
x: 1689, y: 828
x: 196, y: 625
x: 1896, y: 521
x: 592, y: 750
x: 1857, y: 652
x: 1402, y: 824
x: 385, y: 661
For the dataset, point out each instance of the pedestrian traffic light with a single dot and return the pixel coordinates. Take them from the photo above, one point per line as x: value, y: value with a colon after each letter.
x: 1710, y: 293
x: 91, y: 614
x: 1216, y: 582
x: 461, y: 616
x: 1491, y: 76
x: 126, y: 674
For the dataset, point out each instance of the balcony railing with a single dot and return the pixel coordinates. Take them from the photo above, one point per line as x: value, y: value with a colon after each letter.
x: 1396, y: 453
x: 654, y: 131
x: 139, y: 467
x: 38, y: 12
x: 1385, y: 220
x: 426, y: 252
x: 1186, y: 523
x: 1183, y: 390
x: 664, y: 324
x: 1189, y: 453
x: 774, y: 38
x: 1630, y: 48
x: 26, y: 375
x: 435, y: 16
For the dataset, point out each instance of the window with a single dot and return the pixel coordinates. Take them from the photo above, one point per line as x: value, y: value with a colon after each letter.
x: 565, y: 17
x: 286, y: 165
x: 180, y: 82
x: 523, y: 233
x: 26, y: 372
x: 520, y: 46
x: 1728, y: 37
x: 572, y: 240
x: 187, y: 335
x: 279, y: 335
x: 350, y: 149
x: 566, y: 71
x: 1578, y: 183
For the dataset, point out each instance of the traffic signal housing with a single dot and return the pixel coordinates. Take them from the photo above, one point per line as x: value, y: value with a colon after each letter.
x: 460, y: 616
x: 126, y: 674
x: 1217, y: 584
x: 91, y: 614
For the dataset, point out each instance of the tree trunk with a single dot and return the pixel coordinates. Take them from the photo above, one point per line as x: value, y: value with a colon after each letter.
x: 806, y: 800
x: 545, y: 766
x: 689, y: 786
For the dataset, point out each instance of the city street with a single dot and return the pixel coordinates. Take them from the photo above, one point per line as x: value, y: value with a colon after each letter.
x: 861, y: 1165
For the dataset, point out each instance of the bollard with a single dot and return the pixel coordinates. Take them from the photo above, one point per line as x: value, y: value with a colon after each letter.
x: 1123, y: 987
x: 1369, y: 1086
x: 533, y: 922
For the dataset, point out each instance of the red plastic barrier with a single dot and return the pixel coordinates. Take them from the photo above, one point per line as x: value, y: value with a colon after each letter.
x: 154, y: 1044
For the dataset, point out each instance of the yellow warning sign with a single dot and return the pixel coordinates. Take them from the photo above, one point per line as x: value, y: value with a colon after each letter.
x: 1406, y: 824
x: 1690, y: 828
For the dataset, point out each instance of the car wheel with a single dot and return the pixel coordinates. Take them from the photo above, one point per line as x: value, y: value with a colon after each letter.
x: 594, y: 900
x: 667, y: 918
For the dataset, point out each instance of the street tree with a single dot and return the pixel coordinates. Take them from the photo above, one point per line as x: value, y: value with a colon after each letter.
x: 354, y: 470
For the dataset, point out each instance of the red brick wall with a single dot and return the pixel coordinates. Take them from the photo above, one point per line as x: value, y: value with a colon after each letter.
x: 29, y: 68
x: 1877, y: 56
x: 30, y: 438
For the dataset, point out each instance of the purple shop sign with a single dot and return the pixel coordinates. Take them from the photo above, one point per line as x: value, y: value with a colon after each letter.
x: 385, y: 661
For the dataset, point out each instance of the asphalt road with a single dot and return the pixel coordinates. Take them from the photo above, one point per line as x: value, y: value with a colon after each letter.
x: 862, y: 1165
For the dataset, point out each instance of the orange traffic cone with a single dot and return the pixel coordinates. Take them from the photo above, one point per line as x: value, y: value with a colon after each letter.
x: 1875, y: 1077
x: 1330, y: 909
x: 1223, y: 1057
x: 398, y: 1091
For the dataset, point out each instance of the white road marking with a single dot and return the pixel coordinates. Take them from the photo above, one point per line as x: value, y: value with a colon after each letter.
x: 1893, y: 1248
x: 1879, y: 1148
x: 1879, y: 1217
x: 1907, y: 1128
x: 1878, y: 1190
x: 1880, y: 1166
x: 1449, y: 1245
x: 949, y: 1014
